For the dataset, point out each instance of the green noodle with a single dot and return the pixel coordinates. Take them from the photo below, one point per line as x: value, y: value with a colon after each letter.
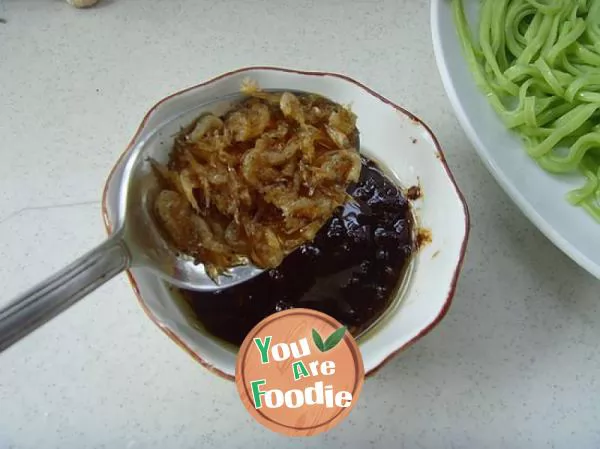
x: 538, y: 63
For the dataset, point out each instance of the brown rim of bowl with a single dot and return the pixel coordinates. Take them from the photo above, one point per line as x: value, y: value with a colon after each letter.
x: 409, y: 114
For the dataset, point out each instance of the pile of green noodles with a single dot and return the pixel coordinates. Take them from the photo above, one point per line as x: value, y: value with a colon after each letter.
x: 538, y: 62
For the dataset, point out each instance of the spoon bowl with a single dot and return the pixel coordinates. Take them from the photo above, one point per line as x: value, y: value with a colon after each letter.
x: 147, y: 246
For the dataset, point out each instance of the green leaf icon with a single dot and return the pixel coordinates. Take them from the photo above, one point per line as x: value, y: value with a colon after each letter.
x: 334, y: 338
x: 331, y: 342
x: 318, y: 340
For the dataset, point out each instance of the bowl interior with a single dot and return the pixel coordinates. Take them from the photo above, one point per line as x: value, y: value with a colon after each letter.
x: 540, y: 195
x: 401, y: 143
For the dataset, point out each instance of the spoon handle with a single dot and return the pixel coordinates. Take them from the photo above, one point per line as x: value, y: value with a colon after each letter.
x: 46, y: 300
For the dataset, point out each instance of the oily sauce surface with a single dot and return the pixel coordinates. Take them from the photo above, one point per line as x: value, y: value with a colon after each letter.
x: 350, y: 271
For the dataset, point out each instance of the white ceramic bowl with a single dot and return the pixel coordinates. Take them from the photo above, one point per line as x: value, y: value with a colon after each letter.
x: 540, y: 195
x: 399, y: 140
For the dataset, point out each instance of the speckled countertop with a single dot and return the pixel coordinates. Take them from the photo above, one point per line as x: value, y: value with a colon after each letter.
x: 515, y: 363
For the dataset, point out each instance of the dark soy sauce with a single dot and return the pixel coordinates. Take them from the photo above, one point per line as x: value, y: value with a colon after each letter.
x: 351, y: 271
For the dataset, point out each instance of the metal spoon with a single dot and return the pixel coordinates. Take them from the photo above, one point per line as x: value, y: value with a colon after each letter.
x: 135, y: 243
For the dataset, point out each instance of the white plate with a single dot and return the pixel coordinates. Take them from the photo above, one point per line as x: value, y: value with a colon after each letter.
x: 393, y: 136
x: 540, y: 195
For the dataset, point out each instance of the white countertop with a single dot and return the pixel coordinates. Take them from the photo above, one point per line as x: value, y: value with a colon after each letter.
x: 515, y: 363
